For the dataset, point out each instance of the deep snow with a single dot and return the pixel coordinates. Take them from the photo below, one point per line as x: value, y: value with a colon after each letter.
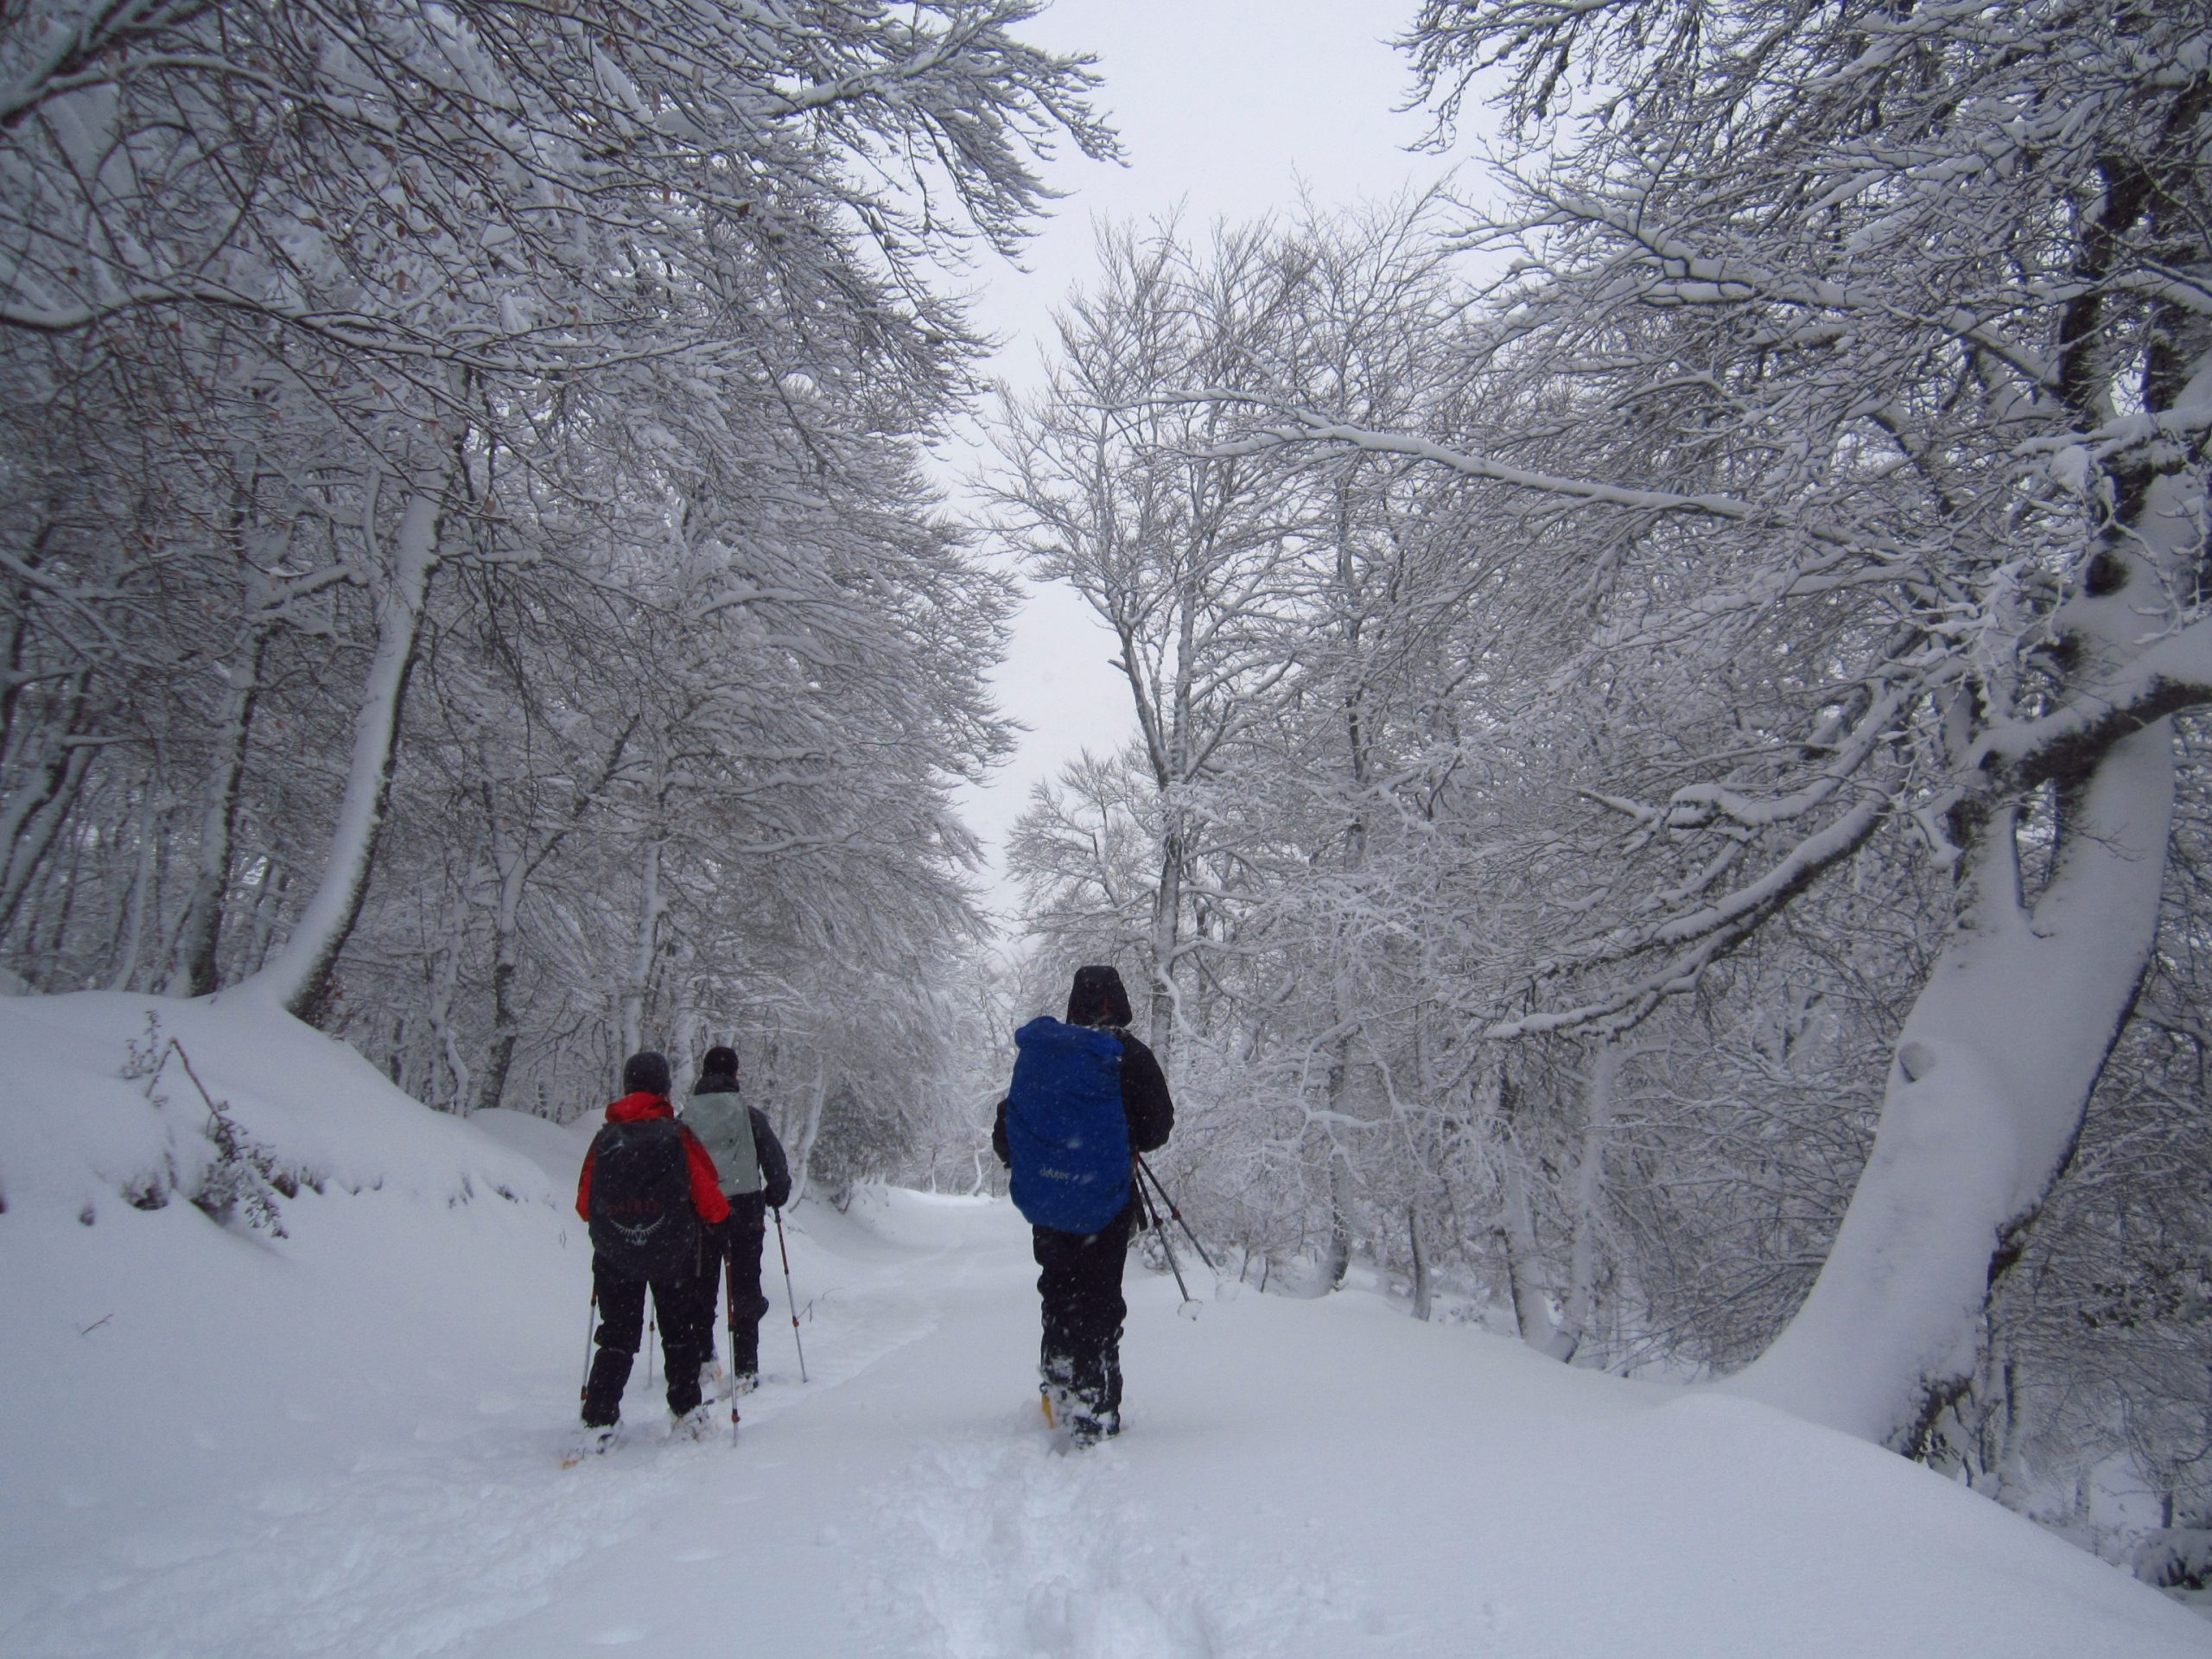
x: 346, y: 1442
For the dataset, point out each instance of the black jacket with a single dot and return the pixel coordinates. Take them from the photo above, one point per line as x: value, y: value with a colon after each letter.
x: 1145, y: 1102
x: 775, y: 1169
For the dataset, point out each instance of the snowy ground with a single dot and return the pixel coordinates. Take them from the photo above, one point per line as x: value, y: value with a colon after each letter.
x: 346, y: 1442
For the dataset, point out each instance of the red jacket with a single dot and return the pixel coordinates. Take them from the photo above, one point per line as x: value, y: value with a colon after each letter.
x: 706, y: 1185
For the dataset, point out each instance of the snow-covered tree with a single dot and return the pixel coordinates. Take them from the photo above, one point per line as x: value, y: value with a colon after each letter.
x: 1882, y: 338
x: 467, y: 513
x: 1178, y: 549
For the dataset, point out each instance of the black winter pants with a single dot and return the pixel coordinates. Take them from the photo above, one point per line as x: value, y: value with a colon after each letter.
x: 732, y: 1252
x: 621, y: 1329
x: 1081, y: 1288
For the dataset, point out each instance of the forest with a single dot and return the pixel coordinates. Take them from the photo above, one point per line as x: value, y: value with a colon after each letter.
x: 1669, y: 811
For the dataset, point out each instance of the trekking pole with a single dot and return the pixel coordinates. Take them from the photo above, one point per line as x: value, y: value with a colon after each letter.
x: 790, y: 1300
x: 1152, y: 1220
x: 729, y: 1286
x: 1149, y: 1172
x: 591, y: 1330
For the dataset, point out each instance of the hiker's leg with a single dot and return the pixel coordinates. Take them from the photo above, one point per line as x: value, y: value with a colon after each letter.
x: 1080, y: 1290
x: 676, y: 1301
x: 1095, y: 1310
x: 707, y: 1289
x: 1055, y: 1253
x: 621, y: 1324
x: 748, y: 1228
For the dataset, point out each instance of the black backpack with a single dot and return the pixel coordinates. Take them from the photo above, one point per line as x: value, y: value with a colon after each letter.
x: 642, y: 1221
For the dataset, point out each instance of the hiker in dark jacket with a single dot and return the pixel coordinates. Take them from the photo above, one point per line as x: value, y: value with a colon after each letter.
x: 646, y: 1191
x: 1080, y: 1287
x: 755, y: 1179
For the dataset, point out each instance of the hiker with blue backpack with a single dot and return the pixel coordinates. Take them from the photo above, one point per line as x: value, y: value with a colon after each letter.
x: 1087, y: 1098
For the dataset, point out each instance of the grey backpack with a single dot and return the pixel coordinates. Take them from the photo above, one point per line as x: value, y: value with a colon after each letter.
x: 724, y: 1125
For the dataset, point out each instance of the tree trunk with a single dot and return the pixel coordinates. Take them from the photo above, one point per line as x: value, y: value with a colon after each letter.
x: 1166, y: 941
x: 817, y: 1093
x: 32, y: 815
x: 1516, y: 1232
x: 688, y: 1043
x: 1344, y: 1186
x: 511, y: 868
x: 1992, y: 1075
x: 132, y: 941
x: 650, y: 908
x: 1422, y: 1307
x: 1587, y: 1197
x: 444, y: 984
x: 1336, y: 1259
x: 507, y: 1035
x: 193, y: 968
x: 513, y: 861
x: 298, y: 977
x: 272, y: 883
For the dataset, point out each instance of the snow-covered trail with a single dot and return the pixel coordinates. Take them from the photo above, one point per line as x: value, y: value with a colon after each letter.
x: 904, y: 1501
x: 907, y: 1499
x: 1298, y: 1478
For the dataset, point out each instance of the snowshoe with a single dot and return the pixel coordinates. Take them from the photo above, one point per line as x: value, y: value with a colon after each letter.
x: 746, y: 1381
x: 594, y: 1442
x: 694, y: 1425
x: 1055, y: 1405
x: 1087, y: 1429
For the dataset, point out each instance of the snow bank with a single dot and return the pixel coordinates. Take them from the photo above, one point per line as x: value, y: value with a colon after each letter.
x: 164, y: 1369
x: 556, y: 1148
x: 99, y: 1109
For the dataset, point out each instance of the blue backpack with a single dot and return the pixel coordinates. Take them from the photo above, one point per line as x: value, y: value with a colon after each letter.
x: 1067, y: 1137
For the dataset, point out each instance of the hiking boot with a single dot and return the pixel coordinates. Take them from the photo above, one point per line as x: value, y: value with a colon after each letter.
x: 744, y: 1382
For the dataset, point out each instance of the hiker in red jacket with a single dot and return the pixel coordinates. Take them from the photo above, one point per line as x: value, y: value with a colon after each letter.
x: 647, y: 1185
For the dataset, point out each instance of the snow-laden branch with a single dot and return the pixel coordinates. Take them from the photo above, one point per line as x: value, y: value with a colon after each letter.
x: 74, y: 58
x: 1693, y: 277
x: 1698, y: 805
x: 2171, y: 675
x: 1788, y: 875
x: 1306, y: 426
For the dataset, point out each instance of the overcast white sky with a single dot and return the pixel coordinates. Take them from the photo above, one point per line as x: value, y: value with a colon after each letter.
x: 1226, y: 108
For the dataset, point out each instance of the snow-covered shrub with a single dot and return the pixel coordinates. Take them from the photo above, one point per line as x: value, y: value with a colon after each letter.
x: 2175, y: 1558
x: 233, y: 1176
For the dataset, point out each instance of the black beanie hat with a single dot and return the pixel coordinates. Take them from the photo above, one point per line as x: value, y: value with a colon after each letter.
x: 646, y: 1073
x: 721, y: 1062
x: 1097, y: 999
